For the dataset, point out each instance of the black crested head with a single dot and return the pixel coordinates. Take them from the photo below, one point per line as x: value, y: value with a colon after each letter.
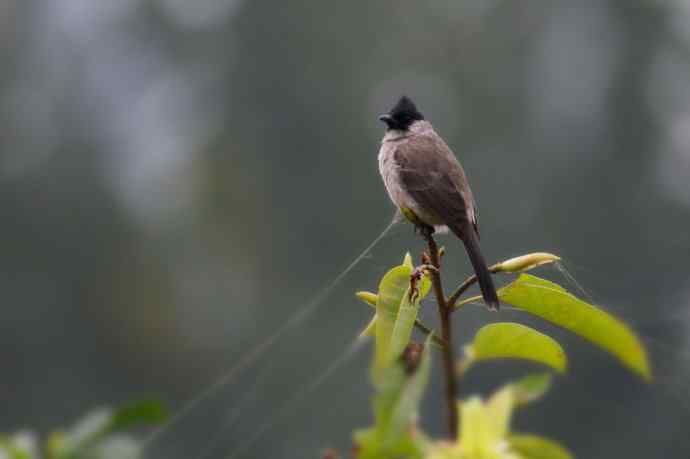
x: 402, y: 115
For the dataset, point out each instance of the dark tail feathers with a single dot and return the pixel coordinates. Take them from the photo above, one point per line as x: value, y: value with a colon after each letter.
x: 486, y: 283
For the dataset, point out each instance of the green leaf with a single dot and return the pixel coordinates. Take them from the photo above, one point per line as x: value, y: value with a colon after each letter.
x: 407, y: 261
x: 369, y: 446
x: 531, y: 388
x: 408, y: 402
x: 484, y: 425
x: 499, y: 411
x: 535, y: 447
x: 395, y: 407
x: 391, y: 291
x: 368, y: 297
x: 370, y: 329
x: 525, y: 262
x: 515, y: 341
x: 473, y: 425
x: 143, y: 412
x: 553, y: 303
x: 404, y: 323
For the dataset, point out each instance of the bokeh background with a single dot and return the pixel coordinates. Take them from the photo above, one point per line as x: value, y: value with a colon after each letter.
x: 178, y: 179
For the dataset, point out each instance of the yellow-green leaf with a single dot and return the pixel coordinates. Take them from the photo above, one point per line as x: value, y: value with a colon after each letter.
x: 408, y: 403
x: 499, y: 411
x: 535, y: 447
x: 371, y: 298
x: 531, y: 387
x: 484, y: 425
x: 370, y: 329
x: 473, y: 429
x: 526, y: 262
x: 551, y: 302
x: 508, y: 340
x: 404, y: 323
x: 368, y: 297
x: 391, y: 290
x: 407, y: 261
x: 395, y: 409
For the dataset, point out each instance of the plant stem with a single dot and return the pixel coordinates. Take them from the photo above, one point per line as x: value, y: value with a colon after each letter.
x: 469, y: 282
x: 444, y: 311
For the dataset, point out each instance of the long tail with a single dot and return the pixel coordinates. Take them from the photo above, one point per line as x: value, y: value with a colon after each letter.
x: 486, y: 283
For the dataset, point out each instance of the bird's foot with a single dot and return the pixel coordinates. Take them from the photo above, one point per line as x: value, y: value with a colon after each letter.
x: 415, y: 277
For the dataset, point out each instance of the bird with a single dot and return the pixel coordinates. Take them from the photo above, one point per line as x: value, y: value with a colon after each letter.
x: 425, y: 180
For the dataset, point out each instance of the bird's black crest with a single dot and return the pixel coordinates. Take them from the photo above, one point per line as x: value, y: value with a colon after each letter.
x: 405, y: 108
x: 402, y: 115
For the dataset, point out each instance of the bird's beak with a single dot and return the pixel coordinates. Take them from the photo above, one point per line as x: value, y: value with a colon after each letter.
x: 386, y: 118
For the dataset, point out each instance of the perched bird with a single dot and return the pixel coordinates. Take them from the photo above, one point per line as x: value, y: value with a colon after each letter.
x: 427, y: 183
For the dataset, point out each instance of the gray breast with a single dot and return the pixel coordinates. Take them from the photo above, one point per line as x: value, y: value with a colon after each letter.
x: 396, y: 191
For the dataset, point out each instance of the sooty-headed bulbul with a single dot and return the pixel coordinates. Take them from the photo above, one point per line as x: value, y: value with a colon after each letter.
x: 427, y: 183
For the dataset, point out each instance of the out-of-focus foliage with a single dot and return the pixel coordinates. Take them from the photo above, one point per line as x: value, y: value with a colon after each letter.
x: 101, y: 434
x: 398, y: 394
x: 485, y: 432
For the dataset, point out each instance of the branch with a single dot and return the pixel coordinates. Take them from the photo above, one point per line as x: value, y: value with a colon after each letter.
x: 444, y: 312
x: 469, y: 282
x: 428, y: 331
x: 512, y: 265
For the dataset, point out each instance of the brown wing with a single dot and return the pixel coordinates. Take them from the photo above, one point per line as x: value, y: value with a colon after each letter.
x: 434, y: 178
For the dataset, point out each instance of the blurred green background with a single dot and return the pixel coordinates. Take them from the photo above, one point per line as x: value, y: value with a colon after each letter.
x: 178, y: 178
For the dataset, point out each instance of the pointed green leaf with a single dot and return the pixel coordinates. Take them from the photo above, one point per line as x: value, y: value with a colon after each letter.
x: 473, y: 429
x: 551, y: 302
x: 391, y: 290
x: 368, y: 297
x: 484, y: 425
x: 395, y: 406
x: 525, y: 262
x: 404, y: 323
x: 370, y: 329
x: 535, y: 447
x: 408, y: 403
x: 531, y: 388
x: 515, y: 341
x: 499, y: 411
x: 407, y: 261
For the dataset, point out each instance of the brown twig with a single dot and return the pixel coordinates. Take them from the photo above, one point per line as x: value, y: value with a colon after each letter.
x: 444, y: 311
x: 428, y: 331
x: 469, y: 282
